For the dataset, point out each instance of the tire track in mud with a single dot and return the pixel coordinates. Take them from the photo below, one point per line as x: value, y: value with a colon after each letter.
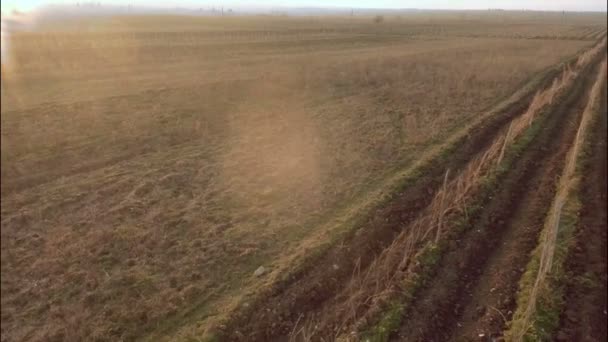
x: 584, y: 316
x: 307, y: 291
x: 473, y: 291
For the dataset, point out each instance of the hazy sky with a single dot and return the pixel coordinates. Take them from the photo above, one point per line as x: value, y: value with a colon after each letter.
x: 557, y: 5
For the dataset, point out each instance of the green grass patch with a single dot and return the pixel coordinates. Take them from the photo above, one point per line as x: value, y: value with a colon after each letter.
x: 550, y: 301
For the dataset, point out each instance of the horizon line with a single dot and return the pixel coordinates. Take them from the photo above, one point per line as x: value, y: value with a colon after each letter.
x: 269, y: 7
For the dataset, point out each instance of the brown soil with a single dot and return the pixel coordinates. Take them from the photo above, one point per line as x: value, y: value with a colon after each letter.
x: 309, y: 290
x: 584, y: 317
x: 487, y: 312
x: 472, y: 294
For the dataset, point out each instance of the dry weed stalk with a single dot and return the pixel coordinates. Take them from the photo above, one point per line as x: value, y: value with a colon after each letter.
x: 366, y: 295
x: 585, y: 57
x: 303, y: 333
x: 552, y: 222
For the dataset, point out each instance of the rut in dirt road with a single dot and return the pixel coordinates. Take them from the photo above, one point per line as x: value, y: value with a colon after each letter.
x: 584, y: 317
x: 473, y: 291
x: 484, y: 314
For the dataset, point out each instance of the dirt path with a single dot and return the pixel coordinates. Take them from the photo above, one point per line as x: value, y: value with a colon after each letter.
x: 493, y: 296
x: 308, y: 291
x: 585, y: 315
x: 473, y: 292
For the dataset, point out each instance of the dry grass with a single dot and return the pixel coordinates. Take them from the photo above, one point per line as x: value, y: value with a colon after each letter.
x: 367, y: 293
x: 523, y: 317
x: 146, y: 174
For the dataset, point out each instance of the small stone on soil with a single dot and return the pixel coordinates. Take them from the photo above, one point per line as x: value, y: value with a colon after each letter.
x: 260, y: 271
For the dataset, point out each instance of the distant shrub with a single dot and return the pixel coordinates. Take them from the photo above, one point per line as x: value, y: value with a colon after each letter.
x: 378, y: 19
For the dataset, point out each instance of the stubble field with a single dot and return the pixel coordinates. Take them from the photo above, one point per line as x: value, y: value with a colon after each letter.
x: 150, y: 165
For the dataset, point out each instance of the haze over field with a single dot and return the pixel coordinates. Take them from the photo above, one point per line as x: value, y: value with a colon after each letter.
x: 206, y: 171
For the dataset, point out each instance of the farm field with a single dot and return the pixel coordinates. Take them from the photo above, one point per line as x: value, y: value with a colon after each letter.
x: 426, y: 176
